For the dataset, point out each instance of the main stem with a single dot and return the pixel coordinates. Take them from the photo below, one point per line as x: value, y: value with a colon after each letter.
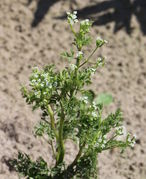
x: 97, y: 169
x: 77, y: 157
x: 51, y: 114
x: 61, y: 149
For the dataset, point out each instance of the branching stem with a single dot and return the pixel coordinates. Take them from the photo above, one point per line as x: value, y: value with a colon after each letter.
x: 78, y: 156
x: 89, y: 57
x: 52, y: 146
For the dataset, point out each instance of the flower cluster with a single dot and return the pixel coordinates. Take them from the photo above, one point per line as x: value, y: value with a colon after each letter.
x: 84, y: 99
x: 100, y: 42
x: 85, y: 25
x: 131, y: 141
x: 72, y: 17
x: 121, y: 131
x: 79, y: 55
x: 101, y: 142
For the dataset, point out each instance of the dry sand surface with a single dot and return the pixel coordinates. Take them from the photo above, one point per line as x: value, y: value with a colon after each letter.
x: 23, y: 46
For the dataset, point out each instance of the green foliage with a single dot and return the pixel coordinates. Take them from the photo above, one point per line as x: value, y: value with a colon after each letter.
x: 33, y: 170
x: 71, y: 112
x: 104, y: 99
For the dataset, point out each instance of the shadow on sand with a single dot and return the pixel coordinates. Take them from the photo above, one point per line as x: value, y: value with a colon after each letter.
x: 118, y: 11
x: 43, y: 7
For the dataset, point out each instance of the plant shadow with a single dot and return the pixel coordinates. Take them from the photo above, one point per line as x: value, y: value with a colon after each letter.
x: 43, y: 7
x: 118, y: 11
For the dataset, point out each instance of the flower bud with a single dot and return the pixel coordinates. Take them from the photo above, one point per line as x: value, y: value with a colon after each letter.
x: 79, y: 55
x: 100, y: 42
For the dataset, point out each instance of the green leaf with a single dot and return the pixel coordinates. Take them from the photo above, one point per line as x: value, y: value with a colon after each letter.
x: 68, y: 55
x: 90, y: 94
x: 104, y: 99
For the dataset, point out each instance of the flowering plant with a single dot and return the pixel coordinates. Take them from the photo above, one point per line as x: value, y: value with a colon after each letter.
x: 69, y: 111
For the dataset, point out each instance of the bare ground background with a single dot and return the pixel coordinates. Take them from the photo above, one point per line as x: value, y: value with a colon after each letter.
x: 35, y: 33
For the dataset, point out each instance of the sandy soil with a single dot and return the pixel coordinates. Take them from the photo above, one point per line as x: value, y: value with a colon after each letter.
x: 22, y: 47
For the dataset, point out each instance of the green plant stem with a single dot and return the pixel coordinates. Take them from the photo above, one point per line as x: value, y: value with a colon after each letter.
x: 53, y: 150
x: 76, y: 73
x: 69, y: 172
x: 78, y: 156
x: 77, y: 62
x: 71, y: 27
x: 112, y: 138
x: 61, y: 149
x: 51, y: 144
x: 97, y: 168
x: 86, y: 61
x: 50, y: 111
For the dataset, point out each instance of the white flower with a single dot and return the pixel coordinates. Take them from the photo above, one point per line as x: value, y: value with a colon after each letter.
x: 68, y: 13
x: 99, y: 38
x: 73, y: 66
x: 99, y: 140
x: 84, y: 99
x: 132, y: 144
x: 94, y: 114
x: 85, y: 22
x: 121, y: 132
x: 102, y: 146
x: 94, y: 105
x: 135, y: 136
x: 49, y: 85
x: 45, y: 75
x: 79, y: 54
x: 33, y: 81
x: 129, y: 139
x: 72, y: 17
x: 75, y: 12
x: 132, y: 141
x: 35, y: 68
x: 42, y: 85
x: 35, y: 75
x: 76, y: 20
x: 37, y: 94
x: 105, y: 41
x: 104, y: 139
x: 93, y: 70
x: 100, y: 41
